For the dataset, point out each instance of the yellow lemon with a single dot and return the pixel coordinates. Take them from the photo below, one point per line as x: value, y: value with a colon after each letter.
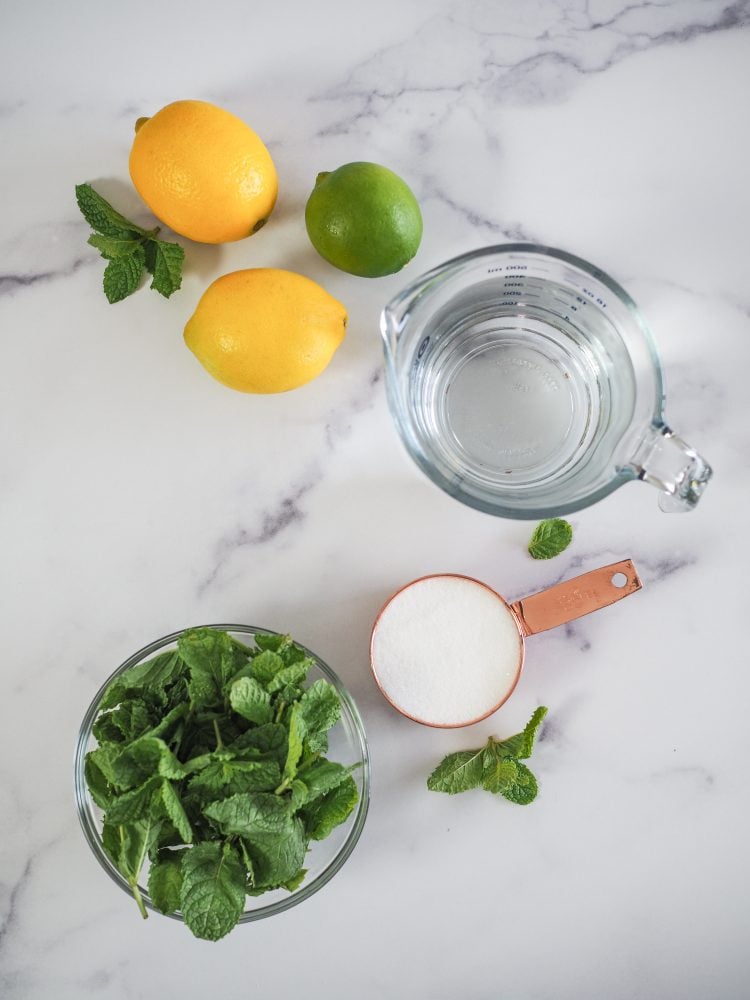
x: 203, y: 172
x: 265, y: 330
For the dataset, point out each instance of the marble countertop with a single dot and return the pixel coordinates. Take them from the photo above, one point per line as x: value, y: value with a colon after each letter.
x: 140, y: 496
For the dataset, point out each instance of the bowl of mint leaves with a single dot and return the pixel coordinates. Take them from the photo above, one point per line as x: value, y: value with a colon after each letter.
x: 222, y: 776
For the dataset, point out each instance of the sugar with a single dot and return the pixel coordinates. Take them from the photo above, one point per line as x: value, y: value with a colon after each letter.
x: 446, y: 650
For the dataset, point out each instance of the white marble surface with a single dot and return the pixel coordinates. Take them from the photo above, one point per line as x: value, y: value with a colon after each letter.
x: 139, y: 496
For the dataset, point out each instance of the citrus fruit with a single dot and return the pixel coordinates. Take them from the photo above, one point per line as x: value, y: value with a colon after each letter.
x: 265, y: 330
x: 364, y: 219
x: 203, y: 172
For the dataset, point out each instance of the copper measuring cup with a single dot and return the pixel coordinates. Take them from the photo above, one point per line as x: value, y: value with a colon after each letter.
x: 557, y: 605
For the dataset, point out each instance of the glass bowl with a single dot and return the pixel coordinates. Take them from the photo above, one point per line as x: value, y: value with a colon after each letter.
x: 347, y: 745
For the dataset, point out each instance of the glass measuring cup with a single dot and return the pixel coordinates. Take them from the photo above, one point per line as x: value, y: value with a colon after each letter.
x: 481, y: 675
x: 525, y: 383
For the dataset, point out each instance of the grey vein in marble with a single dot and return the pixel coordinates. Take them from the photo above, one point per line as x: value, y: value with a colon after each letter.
x: 288, y: 511
x: 510, y: 66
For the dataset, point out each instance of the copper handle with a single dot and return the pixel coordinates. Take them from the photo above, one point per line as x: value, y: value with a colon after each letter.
x: 574, y: 598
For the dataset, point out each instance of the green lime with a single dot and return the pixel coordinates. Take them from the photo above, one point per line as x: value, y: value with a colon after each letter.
x: 364, y: 220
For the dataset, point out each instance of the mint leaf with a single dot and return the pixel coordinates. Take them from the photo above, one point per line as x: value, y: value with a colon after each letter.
x: 209, y: 655
x: 249, y: 699
x: 128, y: 846
x: 113, y: 246
x: 522, y: 744
x: 101, y: 216
x: 265, y: 666
x: 212, y: 896
x: 321, y: 776
x: 300, y: 793
x: 296, y: 881
x: 498, y: 773
x: 328, y: 812
x: 165, y: 881
x: 550, y: 538
x: 289, y: 677
x: 167, y: 267
x: 105, y: 729
x: 295, y: 742
x: 174, y: 811
x: 319, y: 709
x: 458, y: 772
x: 103, y: 758
x: 231, y: 777
x: 276, y: 856
x: 151, y: 675
x: 523, y: 789
x: 249, y: 813
x: 133, y: 805
x: 270, y: 739
x: 273, y: 642
x: 143, y: 758
x: 122, y: 275
x: 100, y: 788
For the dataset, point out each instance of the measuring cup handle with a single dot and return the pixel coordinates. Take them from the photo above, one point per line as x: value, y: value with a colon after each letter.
x: 577, y: 597
x: 667, y: 462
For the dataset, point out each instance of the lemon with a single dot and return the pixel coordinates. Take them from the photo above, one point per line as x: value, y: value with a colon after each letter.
x: 203, y: 172
x: 364, y: 219
x: 265, y: 330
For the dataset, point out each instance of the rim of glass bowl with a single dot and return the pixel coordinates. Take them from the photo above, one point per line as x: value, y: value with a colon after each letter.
x: 84, y: 803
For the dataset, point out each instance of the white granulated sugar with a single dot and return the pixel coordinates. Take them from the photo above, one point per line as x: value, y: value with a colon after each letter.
x: 446, y: 650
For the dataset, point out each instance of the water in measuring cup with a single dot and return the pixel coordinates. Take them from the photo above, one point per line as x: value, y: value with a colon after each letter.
x: 514, y: 386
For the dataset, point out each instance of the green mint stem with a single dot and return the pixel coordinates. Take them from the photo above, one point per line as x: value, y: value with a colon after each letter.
x: 139, y: 900
x: 219, y: 743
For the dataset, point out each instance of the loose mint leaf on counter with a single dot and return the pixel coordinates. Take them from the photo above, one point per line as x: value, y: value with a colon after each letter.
x: 523, y: 789
x: 522, y: 744
x: 102, y: 217
x: 458, y: 772
x: 165, y: 881
x: 497, y: 766
x: 498, y: 773
x: 166, y: 266
x: 212, y: 895
x: 112, y: 246
x: 122, y: 275
x: 129, y: 248
x: 550, y: 538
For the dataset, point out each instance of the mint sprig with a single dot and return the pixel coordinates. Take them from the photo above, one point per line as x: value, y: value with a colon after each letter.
x: 129, y: 249
x: 497, y: 766
x: 550, y: 538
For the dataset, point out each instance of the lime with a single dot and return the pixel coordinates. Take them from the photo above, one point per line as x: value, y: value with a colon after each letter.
x: 364, y: 219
